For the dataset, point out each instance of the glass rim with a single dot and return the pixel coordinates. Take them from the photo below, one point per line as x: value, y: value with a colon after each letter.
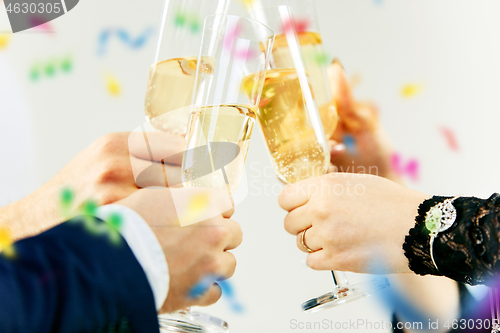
x: 212, y: 16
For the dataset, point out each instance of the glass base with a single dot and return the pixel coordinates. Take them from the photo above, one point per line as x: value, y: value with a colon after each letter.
x: 187, y: 321
x: 344, y: 294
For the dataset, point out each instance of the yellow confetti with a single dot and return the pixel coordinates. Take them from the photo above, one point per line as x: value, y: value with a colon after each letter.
x: 248, y: 3
x: 5, y: 238
x: 195, y: 209
x: 411, y: 90
x: 6, y: 242
x: 113, y: 85
x: 199, y: 202
x: 4, y: 41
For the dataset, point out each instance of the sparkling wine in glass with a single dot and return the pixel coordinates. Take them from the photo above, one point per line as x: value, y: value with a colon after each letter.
x: 293, y: 131
x: 305, y: 23
x: 221, y: 122
x: 171, y: 79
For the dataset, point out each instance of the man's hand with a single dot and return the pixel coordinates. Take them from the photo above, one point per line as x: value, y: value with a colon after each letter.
x: 192, y: 252
x: 102, y: 172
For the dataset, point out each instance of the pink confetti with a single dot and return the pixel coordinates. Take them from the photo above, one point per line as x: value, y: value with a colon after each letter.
x: 39, y: 24
x: 450, y: 137
x: 300, y: 25
x: 410, y: 169
x: 231, y: 35
x: 229, y: 40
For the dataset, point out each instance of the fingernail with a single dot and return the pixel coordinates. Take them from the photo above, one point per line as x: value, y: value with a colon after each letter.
x: 338, y: 147
x: 337, y: 61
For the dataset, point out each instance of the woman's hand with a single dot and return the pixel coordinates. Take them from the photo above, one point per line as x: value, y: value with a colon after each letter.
x: 354, y: 222
x: 371, y: 148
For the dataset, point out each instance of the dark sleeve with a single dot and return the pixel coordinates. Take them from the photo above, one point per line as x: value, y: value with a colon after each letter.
x: 70, y: 280
x: 468, y: 252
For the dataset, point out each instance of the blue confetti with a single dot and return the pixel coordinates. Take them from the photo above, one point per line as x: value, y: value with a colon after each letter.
x: 350, y: 144
x: 227, y: 291
x: 125, y: 37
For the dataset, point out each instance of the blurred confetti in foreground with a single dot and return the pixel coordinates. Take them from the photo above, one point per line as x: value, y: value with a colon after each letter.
x: 87, y: 212
x: 195, y: 208
x: 112, y: 85
x: 411, y: 90
x: 450, y: 138
x: 6, y: 243
x: 409, y: 169
x: 125, y: 37
x: 39, y: 23
x: 350, y: 144
x: 67, y: 198
x: 4, y: 41
x: 227, y: 291
x: 51, y: 68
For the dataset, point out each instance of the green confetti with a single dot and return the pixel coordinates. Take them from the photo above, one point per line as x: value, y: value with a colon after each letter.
x: 322, y: 58
x: 180, y: 19
x: 66, y: 65
x: 114, y: 237
x: 89, y: 207
x: 194, y: 24
x: 67, y: 197
x: 35, y: 73
x: 115, y: 221
x: 50, y: 69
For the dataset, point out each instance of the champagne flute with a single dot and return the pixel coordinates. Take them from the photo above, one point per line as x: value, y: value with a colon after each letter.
x: 315, y: 58
x: 294, y: 134
x: 221, y: 122
x: 222, y: 111
x: 172, y: 75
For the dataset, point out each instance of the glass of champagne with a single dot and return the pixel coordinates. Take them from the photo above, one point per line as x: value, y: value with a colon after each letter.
x: 294, y: 134
x: 171, y: 78
x: 225, y: 101
x: 315, y: 58
x: 221, y: 122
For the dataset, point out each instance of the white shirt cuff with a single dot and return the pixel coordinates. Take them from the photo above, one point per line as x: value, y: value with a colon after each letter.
x: 145, y: 247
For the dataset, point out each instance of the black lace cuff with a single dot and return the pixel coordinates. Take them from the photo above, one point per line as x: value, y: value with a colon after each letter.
x: 467, y: 252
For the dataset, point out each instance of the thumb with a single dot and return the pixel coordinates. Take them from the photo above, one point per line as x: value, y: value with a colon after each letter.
x: 340, y: 88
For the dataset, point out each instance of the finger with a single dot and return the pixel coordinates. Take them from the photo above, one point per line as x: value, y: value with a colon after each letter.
x: 147, y: 174
x: 234, y: 235
x: 157, y: 146
x: 307, y: 241
x: 227, y: 266
x: 319, y: 261
x: 225, y: 202
x: 296, y: 195
x: 336, y: 149
x: 340, y: 88
x: 297, y: 220
x: 211, y: 296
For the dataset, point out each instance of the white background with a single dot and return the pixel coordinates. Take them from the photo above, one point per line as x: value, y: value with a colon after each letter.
x: 449, y: 47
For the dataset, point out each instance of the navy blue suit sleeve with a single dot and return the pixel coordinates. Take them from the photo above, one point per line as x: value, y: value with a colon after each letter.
x: 69, y: 280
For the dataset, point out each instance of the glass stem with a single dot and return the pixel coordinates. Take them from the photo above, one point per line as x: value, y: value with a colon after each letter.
x: 338, y: 283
